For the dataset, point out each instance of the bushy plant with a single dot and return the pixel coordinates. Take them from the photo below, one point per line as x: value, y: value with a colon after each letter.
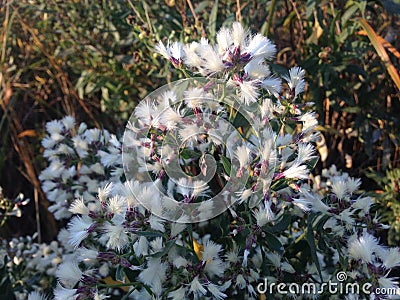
x: 388, y: 198
x: 142, y: 238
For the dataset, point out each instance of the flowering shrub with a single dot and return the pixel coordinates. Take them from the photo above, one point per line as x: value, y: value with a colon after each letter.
x: 81, y: 160
x: 240, y: 137
x: 28, y: 267
x: 11, y: 208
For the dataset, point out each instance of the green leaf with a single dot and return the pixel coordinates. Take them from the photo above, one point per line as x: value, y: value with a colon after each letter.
x: 187, y: 153
x: 212, y: 23
x: 201, y: 7
x: 240, y: 121
x: 6, y: 289
x: 352, y: 110
x: 282, y: 225
x: 120, y: 274
x: 273, y: 243
x: 279, y: 184
x: 166, y: 249
x: 348, y: 14
x: 226, y: 164
x: 312, y: 163
x: 148, y: 233
x: 310, y: 6
x: 311, y: 242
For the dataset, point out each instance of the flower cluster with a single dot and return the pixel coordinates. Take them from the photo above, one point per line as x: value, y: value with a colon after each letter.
x: 81, y: 160
x: 240, y: 134
x: 31, y: 266
x: 11, y: 207
x: 275, y: 218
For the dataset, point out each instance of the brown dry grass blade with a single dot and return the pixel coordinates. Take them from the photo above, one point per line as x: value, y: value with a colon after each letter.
x: 384, y: 42
x: 380, y: 49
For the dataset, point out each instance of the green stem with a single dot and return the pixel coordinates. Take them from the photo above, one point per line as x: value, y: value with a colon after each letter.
x: 117, y: 284
x: 267, y: 26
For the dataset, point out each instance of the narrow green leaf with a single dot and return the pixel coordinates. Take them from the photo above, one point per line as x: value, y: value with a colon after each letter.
x: 279, y: 184
x: 166, y: 249
x: 311, y: 242
x: 6, y: 289
x: 212, y: 24
x: 273, y: 243
x: 282, y: 225
x: 226, y: 164
x: 148, y: 233
x: 120, y: 274
x: 348, y: 14
x: 187, y: 153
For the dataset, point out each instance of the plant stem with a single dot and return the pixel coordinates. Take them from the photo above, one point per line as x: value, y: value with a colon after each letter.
x: 267, y: 26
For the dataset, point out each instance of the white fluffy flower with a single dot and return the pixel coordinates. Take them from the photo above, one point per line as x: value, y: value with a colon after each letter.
x: 296, y: 171
x: 256, y: 69
x: 353, y: 184
x: 54, y: 127
x: 245, y: 257
x: 160, y: 48
x: 104, y: 192
x: 309, y: 121
x: 178, y: 294
x: 389, y: 283
x: 216, y: 291
x: 154, y: 274
x: 78, y: 229
x: 261, y: 47
x: 35, y: 295
x: 272, y: 84
x: 238, y: 34
x: 174, y: 52
x: 214, y: 265
x: 212, y: 62
x: 194, y: 97
x: 141, y: 246
x: 264, y: 214
x: 197, y: 288
x: 146, y: 111
x: 79, y: 207
x: 98, y: 296
x: 116, y: 205
x: 295, y: 80
x: 192, y: 58
x: 303, y: 204
x: 115, y: 236
x: 224, y: 39
x: 315, y: 199
x: 68, y: 273
x: 363, y: 203
x: 363, y: 248
x: 81, y: 146
x: 61, y: 293
x: 339, y: 187
x: 391, y: 258
x: 248, y: 91
x: 305, y: 152
x: 242, y: 153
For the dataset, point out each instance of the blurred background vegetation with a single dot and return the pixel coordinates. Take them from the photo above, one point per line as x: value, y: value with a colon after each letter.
x: 94, y: 60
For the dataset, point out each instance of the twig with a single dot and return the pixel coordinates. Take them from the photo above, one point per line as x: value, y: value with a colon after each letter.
x: 238, y: 11
x: 299, y: 17
x: 37, y: 208
x: 196, y: 18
